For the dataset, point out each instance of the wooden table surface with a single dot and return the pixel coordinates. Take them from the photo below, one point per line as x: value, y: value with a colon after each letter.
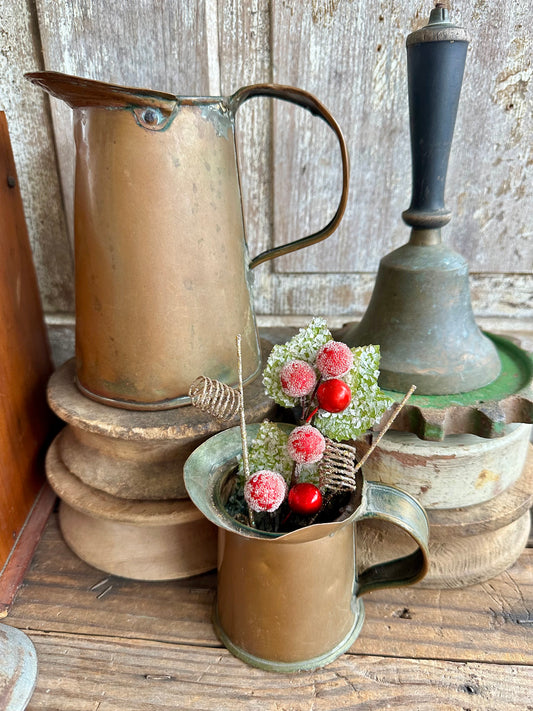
x: 134, y: 645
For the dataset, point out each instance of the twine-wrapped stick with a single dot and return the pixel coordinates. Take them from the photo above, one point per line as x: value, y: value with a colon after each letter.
x: 223, y: 402
x: 337, y: 467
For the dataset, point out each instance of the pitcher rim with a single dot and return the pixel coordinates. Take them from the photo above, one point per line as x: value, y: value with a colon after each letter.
x: 204, y: 495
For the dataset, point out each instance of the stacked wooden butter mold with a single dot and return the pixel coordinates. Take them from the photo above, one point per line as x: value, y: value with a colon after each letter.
x: 458, y: 448
x: 118, y: 473
x: 477, y: 494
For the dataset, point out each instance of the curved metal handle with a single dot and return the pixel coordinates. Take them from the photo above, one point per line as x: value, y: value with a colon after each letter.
x: 394, y: 505
x: 309, y: 102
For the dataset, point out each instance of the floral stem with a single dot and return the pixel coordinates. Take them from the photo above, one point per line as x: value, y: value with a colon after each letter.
x: 305, y: 410
x: 287, y: 517
x: 311, y: 415
x: 294, y: 475
x: 325, y: 501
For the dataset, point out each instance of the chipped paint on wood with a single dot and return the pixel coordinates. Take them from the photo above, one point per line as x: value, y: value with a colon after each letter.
x: 461, y: 471
x: 485, y: 477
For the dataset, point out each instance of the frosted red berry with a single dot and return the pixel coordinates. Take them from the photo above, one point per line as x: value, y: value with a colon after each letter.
x: 334, y: 395
x: 265, y: 490
x: 334, y: 359
x: 298, y: 378
x: 305, y: 498
x: 306, y: 444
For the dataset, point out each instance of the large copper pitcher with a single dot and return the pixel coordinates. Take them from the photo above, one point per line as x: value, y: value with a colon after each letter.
x: 162, y: 269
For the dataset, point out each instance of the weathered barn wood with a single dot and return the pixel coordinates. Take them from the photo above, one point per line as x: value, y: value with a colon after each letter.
x: 106, y: 643
x: 352, y: 57
x: 32, y: 139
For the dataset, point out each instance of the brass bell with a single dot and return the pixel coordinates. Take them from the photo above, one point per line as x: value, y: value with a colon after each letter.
x: 420, y: 312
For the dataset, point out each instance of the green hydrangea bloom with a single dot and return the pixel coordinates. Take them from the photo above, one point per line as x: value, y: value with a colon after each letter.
x: 368, y: 401
x: 269, y: 450
x: 303, y: 346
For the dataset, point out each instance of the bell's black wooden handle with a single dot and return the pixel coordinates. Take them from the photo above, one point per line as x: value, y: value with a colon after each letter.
x: 436, y: 56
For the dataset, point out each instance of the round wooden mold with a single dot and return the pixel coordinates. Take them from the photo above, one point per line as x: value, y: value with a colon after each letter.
x: 136, y: 454
x: 467, y: 545
x: 462, y: 470
x: 141, y: 540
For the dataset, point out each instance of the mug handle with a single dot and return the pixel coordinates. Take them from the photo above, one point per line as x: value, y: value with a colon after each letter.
x: 309, y: 102
x: 396, y: 506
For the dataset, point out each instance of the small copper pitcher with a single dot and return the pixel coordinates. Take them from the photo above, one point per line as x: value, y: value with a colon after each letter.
x: 162, y: 269
x: 288, y: 602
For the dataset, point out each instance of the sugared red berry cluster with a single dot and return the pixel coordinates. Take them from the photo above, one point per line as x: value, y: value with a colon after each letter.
x: 265, y: 490
x: 320, y: 386
x: 333, y: 360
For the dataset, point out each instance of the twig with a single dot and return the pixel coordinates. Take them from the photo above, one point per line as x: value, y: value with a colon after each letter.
x: 385, y: 428
x: 245, y: 462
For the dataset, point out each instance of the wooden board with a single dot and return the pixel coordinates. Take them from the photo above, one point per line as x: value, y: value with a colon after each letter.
x: 353, y: 59
x: 98, y: 674
x: 352, y: 56
x: 32, y: 138
x: 105, y: 643
x: 22, y: 553
x: 467, y: 545
x: 25, y: 419
x: 490, y: 622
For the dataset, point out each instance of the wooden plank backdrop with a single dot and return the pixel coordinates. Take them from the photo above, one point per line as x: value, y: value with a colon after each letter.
x: 352, y: 56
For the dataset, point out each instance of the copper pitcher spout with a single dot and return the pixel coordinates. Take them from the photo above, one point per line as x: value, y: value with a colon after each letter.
x: 79, y: 92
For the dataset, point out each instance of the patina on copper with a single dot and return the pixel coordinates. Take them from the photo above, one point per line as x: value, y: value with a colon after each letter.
x: 420, y: 311
x: 287, y: 602
x: 18, y: 671
x: 162, y: 269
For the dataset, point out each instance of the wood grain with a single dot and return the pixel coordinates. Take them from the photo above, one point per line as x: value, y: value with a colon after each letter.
x: 95, y: 674
x: 105, y: 643
x: 457, y: 558
x: 354, y: 60
x: 343, y: 297
x: 32, y: 139
x: 490, y: 622
x: 22, y: 552
x: 245, y: 58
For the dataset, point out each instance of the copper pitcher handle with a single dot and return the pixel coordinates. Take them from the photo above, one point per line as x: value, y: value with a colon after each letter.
x: 309, y: 102
x: 394, y: 505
